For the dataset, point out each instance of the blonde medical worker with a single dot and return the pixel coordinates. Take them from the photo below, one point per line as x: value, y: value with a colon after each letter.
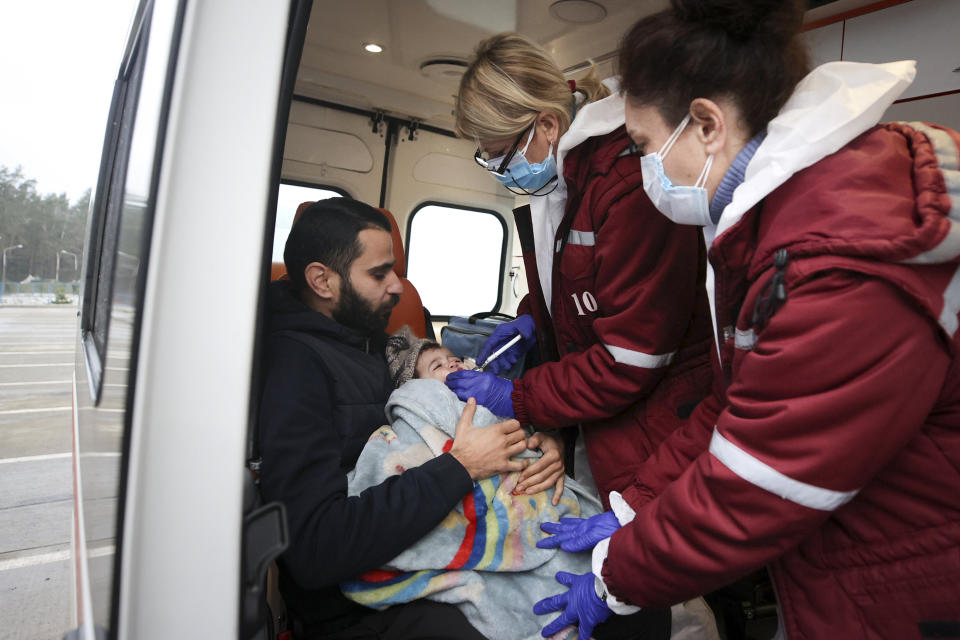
x: 618, y: 319
x: 835, y: 290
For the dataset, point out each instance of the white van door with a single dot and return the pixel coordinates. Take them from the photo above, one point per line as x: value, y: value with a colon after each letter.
x: 168, y: 319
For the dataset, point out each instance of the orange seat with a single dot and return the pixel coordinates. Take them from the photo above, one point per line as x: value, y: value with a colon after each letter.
x: 278, y: 270
x: 409, y: 311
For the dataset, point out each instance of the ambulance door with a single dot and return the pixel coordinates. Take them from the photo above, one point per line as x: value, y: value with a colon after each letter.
x: 119, y: 234
x: 168, y: 319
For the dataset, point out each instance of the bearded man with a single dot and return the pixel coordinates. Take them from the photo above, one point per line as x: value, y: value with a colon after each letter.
x: 326, y: 383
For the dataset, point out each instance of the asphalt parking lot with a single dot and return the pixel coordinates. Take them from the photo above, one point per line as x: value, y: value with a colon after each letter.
x: 36, y: 368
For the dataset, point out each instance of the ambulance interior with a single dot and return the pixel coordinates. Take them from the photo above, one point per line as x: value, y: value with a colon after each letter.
x: 378, y: 125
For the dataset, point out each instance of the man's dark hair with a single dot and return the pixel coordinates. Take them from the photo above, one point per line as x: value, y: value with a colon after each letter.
x: 327, y: 232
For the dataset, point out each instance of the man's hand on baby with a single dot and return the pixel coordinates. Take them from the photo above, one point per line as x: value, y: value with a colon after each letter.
x: 487, y: 451
x: 579, y: 534
x: 546, y: 472
x: 489, y: 390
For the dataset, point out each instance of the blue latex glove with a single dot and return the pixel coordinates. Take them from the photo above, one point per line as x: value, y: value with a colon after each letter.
x: 579, y: 534
x: 524, y: 326
x: 489, y: 390
x: 580, y: 604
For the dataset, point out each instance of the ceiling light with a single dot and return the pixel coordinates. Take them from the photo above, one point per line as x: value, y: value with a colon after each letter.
x: 372, y: 47
x: 578, y: 11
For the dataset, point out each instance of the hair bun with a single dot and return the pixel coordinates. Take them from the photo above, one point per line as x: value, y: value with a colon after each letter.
x: 744, y: 19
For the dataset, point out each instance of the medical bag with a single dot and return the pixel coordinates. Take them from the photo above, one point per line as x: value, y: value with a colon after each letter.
x: 465, y: 337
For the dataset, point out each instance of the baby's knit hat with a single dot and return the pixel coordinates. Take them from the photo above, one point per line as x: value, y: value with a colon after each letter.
x: 403, y: 349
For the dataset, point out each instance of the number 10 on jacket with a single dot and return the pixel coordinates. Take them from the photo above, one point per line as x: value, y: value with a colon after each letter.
x: 589, y: 302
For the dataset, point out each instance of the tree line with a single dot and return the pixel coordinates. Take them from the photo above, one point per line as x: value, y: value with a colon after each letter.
x: 44, y: 224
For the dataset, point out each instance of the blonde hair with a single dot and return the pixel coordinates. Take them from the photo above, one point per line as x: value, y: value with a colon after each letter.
x: 509, y: 82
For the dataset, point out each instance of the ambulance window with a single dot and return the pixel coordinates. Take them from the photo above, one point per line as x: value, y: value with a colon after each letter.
x: 292, y: 195
x: 455, y: 258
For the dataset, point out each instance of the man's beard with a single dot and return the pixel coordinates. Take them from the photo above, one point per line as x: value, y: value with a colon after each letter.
x: 359, y: 314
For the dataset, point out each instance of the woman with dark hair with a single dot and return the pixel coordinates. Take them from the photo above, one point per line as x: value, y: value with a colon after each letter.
x: 835, y: 290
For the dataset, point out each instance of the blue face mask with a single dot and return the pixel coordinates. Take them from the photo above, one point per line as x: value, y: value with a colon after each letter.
x: 529, y: 178
x: 682, y: 204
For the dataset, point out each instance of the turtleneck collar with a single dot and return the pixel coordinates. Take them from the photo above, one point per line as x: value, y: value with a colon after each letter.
x: 734, y: 177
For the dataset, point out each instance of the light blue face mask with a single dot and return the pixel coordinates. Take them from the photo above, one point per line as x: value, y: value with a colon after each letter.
x: 528, y: 177
x: 682, y: 204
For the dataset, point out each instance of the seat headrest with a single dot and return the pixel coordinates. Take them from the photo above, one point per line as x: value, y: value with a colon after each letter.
x: 400, y: 267
x: 303, y: 207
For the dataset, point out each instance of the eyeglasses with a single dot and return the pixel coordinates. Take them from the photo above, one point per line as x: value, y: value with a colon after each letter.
x: 499, y: 164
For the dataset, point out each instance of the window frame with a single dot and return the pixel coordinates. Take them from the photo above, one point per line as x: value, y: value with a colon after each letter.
x: 462, y: 207
x: 276, y: 203
x: 315, y: 185
x: 107, y: 207
x: 296, y: 39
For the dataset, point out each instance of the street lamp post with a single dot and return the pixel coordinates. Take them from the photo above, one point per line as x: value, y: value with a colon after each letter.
x: 3, y: 272
x: 57, y: 278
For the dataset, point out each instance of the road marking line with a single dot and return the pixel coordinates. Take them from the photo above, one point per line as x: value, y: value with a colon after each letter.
x: 32, y: 353
x: 18, y: 411
x: 46, y: 558
x: 58, y: 456
x: 49, y: 364
x: 24, y: 384
x: 48, y: 456
x: 29, y: 561
x: 38, y: 348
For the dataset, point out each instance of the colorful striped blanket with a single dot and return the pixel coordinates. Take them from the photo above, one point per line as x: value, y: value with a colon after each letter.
x: 483, y: 556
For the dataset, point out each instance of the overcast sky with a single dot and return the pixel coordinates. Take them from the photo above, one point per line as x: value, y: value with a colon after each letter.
x: 59, y: 59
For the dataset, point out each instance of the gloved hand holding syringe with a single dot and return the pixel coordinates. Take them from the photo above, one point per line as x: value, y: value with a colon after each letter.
x: 496, y: 354
x: 505, y: 346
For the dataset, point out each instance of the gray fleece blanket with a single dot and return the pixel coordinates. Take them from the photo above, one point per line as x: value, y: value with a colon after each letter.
x: 483, y: 557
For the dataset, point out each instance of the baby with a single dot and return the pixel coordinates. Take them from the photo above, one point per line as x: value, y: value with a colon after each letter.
x: 483, y: 556
x: 410, y: 357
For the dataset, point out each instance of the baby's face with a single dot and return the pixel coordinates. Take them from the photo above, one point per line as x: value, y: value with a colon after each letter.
x: 437, y: 364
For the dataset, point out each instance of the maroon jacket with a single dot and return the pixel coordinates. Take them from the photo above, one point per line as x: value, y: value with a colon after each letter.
x: 628, y: 339
x: 836, y: 458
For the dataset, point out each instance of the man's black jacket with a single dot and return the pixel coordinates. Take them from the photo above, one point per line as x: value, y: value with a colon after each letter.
x: 325, y: 387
